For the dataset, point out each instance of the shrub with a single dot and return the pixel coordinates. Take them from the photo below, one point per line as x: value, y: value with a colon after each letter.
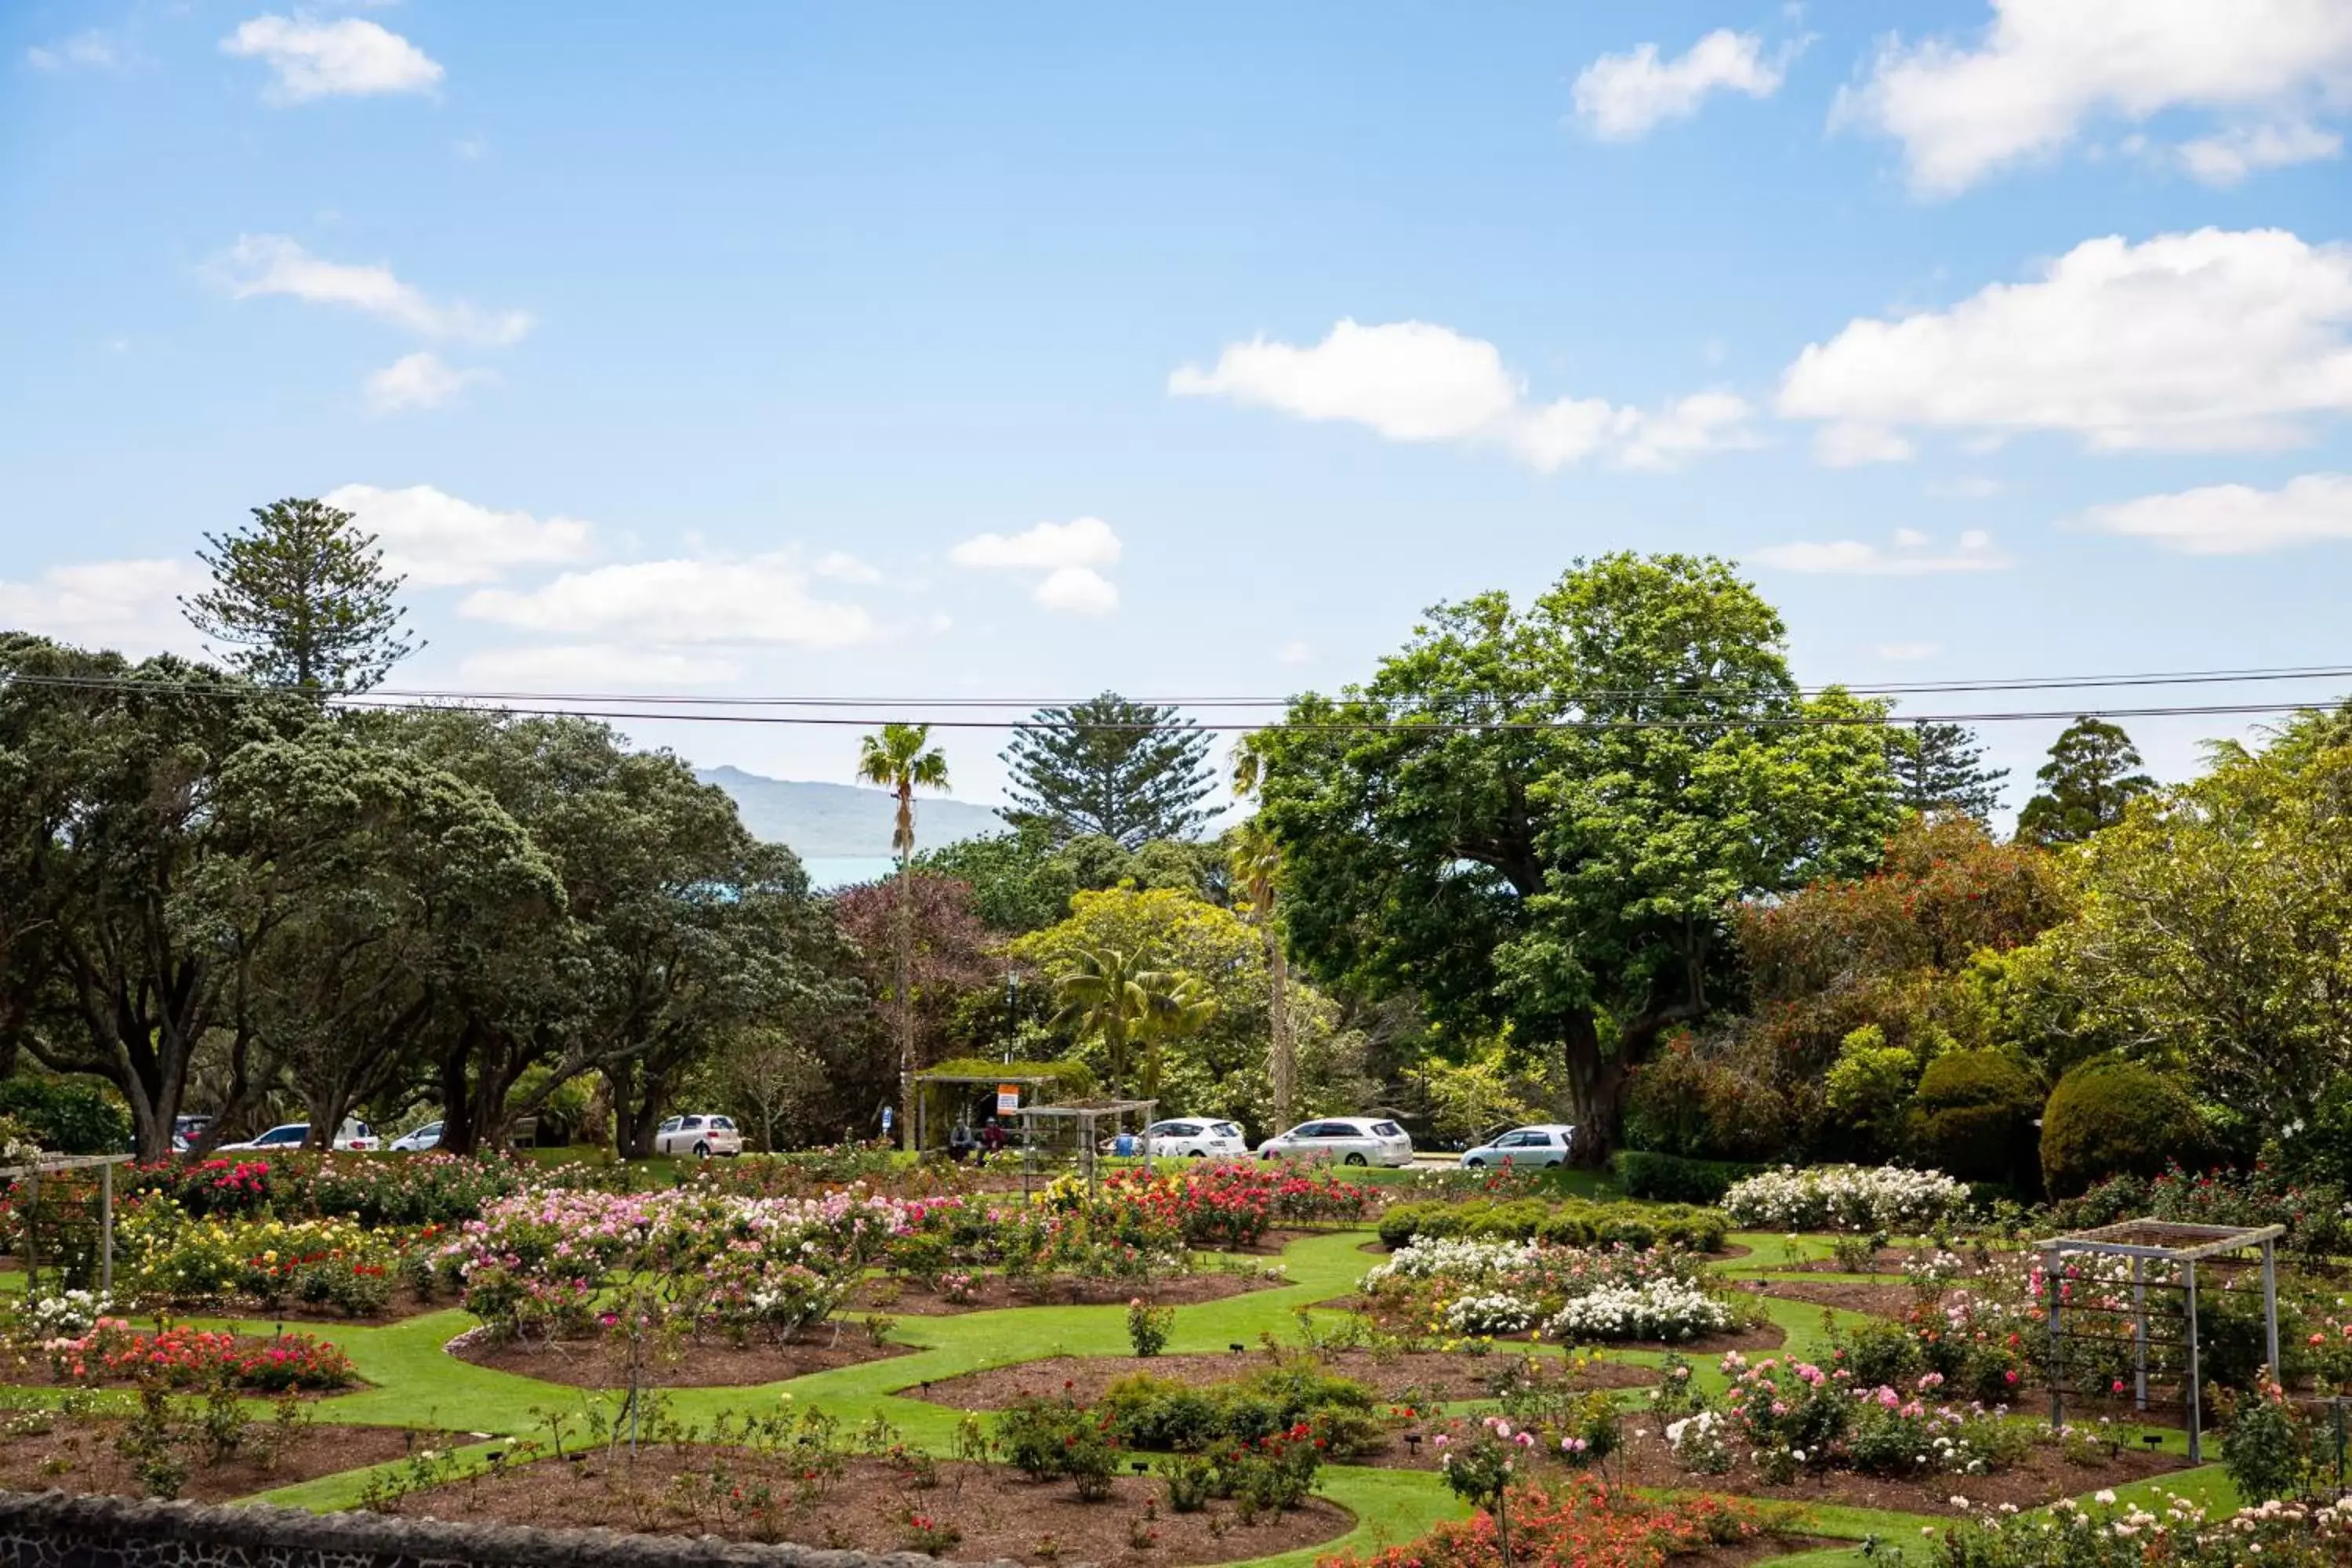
x: 1671, y: 1178
x: 2110, y: 1117
x: 1701, y: 1107
x: 1582, y: 1523
x: 2266, y: 1446
x: 1575, y: 1223
x: 1660, y: 1310
x: 1147, y: 1326
x: 69, y: 1118
x: 1845, y: 1197
x: 1973, y: 1115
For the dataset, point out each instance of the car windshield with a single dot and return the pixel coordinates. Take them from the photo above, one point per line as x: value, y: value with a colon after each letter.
x: 722, y: 1124
x: 1226, y: 1129
x: 1386, y: 1129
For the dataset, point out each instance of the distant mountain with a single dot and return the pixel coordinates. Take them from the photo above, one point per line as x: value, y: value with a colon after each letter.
x: 830, y: 821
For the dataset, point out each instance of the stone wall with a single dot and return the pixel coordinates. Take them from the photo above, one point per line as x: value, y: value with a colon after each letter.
x: 59, y: 1529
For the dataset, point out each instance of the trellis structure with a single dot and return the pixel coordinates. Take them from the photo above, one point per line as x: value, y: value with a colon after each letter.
x: 60, y: 1165
x: 2164, y: 1255
x: 1087, y: 1120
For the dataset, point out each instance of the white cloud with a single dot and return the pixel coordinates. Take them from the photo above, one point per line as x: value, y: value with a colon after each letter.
x: 1295, y: 652
x: 91, y: 50
x: 439, y: 541
x: 1082, y: 541
x: 841, y: 566
x: 1077, y: 591
x: 1907, y: 652
x: 577, y: 667
x: 2228, y: 156
x: 2044, y: 67
x: 2234, y: 520
x: 419, y: 381
x: 761, y: 600
x: 1621, y: 97
x: 1416, y: 381
x: 2218, y: 340
x: 129, y: 605
x: 349, y: 56
x: 268, y: 264
x: 1910, y: 556
x: 1968, y: 487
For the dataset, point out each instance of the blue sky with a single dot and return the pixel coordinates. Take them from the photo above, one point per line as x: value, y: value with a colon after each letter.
x: 744, y: 349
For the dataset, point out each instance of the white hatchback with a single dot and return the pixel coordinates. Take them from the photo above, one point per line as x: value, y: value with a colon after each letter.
x: 1191, y: 1138
x: 1342, y: 1141
x: 1545, y: 1144
x: 354, y: 1136
x: 700, y: 1136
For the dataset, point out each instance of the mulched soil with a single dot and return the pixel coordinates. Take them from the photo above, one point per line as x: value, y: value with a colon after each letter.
x: 904, y: 1298
x: 1426, y: 1373
x: 79, y: 1456
x: 2042, y: 1477
x: 603, y: 1363
x: 1000, y: 1514
x: 1847, y: 1295
x: 1757, y: 1550
x: 404, y: 1305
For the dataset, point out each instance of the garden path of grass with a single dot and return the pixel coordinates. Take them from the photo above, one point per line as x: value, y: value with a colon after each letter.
x: 417, y: 1384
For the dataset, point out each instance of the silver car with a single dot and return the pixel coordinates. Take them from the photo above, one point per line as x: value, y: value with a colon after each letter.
x: 1342, y: 1141
x: 1545, y: 1144
x: 1192, y: 1138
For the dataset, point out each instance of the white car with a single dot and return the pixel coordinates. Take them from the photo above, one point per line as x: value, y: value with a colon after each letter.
x: 700, y: 1136
x: 1545, y: 1144
x: 1341, y: 1140
x: 354, y: 1136
x: 1192, y: 1139
x: 426, y: 1137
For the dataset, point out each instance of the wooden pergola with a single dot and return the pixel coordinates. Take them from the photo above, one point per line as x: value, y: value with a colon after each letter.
x: 1087, y: 1118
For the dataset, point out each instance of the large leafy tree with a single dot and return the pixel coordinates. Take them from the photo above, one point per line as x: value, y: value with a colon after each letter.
x: 951, y: 955
x: 902, y: 760
x: 302, y: 597
x: 1941, y: 767
x: 2090, y: 779
x: 2215, y: 934
x: 1256, y: 878
x: 1538, y: 820
x: 123, y: 947
x: 1129, y: 770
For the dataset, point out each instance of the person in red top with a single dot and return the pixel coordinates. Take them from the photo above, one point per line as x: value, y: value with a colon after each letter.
x: 991, y: 1137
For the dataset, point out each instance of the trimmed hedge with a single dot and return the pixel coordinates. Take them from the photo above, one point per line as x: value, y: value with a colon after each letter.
x: 1572, y: 1224
x: 1671, y: 1178
x: 1972, y: 1116
x: 2114, y: 1118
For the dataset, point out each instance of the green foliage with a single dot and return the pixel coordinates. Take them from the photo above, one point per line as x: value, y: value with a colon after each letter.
x: 1575, y: 1223
x: 1870, y: 1084
x: 1670, y: 1178
x: 66, y: 1116
x: 1467, y: 1100
x: 2085, y: 785
x: 1128, y: 771
x: 2266, y: 1446
x: 303, y: 596
x: 1941, y: 767
x: 1567, y: 883
x: 1165, y: 1414
x: 2111, y: 1116
x: 1973, y: 1116
x: 1704, y: 1104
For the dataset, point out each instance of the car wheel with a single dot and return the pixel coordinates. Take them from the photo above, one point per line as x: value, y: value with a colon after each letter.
x: 702, y: 1151
x: 1355, y: 1159
x: 1199, y: 1154
x: 1474, y: 1165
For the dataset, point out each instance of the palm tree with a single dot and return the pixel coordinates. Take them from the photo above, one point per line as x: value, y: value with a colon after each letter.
x: 1174, y: 1004
x: 1103, y: 994
x: 1257, y: 868
x: 897, y: 759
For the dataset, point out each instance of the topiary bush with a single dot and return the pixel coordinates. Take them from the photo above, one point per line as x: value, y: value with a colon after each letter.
x: 1972, y: 1116
x: 1671, y: 1178
x: 2110, y: 1117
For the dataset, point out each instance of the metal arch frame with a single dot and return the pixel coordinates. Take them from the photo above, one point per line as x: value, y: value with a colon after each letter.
x: 59, y: 1164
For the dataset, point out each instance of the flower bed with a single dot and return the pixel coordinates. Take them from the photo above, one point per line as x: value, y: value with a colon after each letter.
x: 115, y: 1353
x: 1572, y: 1223
x: 1846, y: 1197
x: 2181, y: 1534
x: 1235, y: 1204
x: 167, y: 1256
x: 1471, y: 1288
x: 370, y: 1189
x: 1668, y: 1310
x: 1579, y: 1522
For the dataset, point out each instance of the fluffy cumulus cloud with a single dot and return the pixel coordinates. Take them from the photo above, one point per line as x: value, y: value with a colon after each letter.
x: 1416, y: 381
x: 133, y: 607
x: 1621, y: 97
x: 2235, y: 520
x: 684, y: 603
x: 1910, y: 553
x: 349, y: 56
x: 438, y: 541
x: 1070, y: 555
x: 2043, y: 70
x: 419, y: 381
x: 261, y: 265
x: 2214, y: 340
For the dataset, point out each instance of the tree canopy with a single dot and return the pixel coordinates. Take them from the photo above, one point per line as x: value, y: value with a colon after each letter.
x: 1128, y: 771
x: 302, y: 597
x: 2085, y: 784
x: 1941, y: 767
x: 1538, y: 820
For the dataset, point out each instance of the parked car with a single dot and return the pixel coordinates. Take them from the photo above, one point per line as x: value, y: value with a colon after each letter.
x: 426, y: 1137
x: 700, y: 1136
x: 1544, y: 1143
x: 186, y: 1130
x: 352, y: 1136
x: 1192, y: 1139
x: 1342, y: 1140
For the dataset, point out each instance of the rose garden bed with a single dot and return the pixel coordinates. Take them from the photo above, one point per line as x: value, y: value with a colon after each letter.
x: 1429, y: 1373
x: 84, y: 1455
x: 989, y: 1292
x: 993, y: 1511
x: 603, y: 1360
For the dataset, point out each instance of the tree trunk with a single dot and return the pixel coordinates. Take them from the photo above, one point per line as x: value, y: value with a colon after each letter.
x: 906, y: 1003
x: 1598, y: 1083
x: 457, y: 1132
x: 1281, y: 1064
